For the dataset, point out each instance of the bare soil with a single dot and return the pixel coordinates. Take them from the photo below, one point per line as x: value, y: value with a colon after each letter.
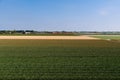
x: 51, y: 37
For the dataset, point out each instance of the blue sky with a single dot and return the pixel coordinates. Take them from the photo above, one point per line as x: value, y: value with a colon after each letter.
x: 59, y: 15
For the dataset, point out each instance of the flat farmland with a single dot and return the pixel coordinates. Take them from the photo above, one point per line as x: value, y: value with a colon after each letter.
x: 82, y: 37
x: 115, y: 37
x: 35, y: 59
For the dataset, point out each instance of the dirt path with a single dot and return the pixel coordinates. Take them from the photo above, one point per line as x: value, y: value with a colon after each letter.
x: 50, y: 37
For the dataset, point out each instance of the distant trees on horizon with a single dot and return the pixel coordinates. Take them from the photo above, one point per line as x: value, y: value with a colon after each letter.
x: 58, y: 32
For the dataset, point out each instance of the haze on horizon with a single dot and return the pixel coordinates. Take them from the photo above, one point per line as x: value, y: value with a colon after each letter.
x: 59, y: 15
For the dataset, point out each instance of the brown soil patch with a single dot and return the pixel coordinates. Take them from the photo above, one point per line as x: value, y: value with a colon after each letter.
x: 50, y: 37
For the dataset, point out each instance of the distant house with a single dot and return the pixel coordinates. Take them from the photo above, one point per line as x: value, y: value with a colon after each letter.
x: 27, y: 32
x: 55, y: 32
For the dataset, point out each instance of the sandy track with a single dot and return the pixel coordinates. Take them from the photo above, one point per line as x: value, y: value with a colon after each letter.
x: 50, y: 37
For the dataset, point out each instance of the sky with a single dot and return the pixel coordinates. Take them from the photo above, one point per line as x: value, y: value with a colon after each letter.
x: 60, y: 15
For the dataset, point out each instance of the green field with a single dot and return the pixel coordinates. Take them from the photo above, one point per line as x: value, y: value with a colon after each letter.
x: 115, y: 37
x: 59, y: 60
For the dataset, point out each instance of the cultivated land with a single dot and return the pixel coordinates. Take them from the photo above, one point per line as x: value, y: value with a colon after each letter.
x: 50, y: 37
x: 115, y: 37
x: 34, y: 59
